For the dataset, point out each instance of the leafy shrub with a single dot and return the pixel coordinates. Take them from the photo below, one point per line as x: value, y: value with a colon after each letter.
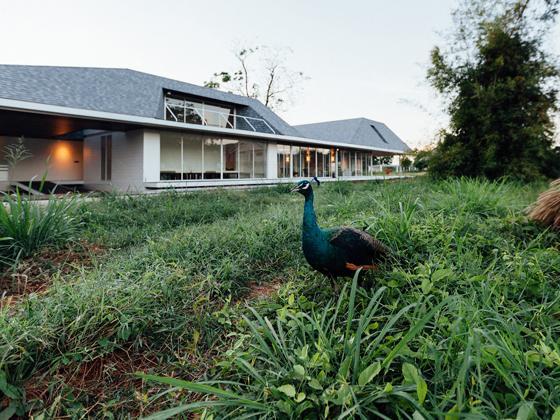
x: 27, y: 225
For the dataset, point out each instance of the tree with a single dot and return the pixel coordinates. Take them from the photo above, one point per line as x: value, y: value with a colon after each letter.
x: 422, y: 159
x: 499, y: 87
x: 406, y: 163
x: 382, y: 160
x: 262, y: 75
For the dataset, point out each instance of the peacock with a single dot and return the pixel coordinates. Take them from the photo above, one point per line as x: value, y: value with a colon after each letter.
x: 340, y: 251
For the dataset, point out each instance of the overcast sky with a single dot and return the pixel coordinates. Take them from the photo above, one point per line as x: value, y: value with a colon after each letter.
x: 363, y: 58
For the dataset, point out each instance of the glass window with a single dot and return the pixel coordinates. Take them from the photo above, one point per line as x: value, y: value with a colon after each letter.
x: 259, y: 162
x: 308, y: 161
x: 218, y: 116
x: 192, y: 157
x: 323, y: 162
x: 345, y: 162
x: 365, y: 158
x: 322, y: 156
x: 175, y: 110
x: 283, y: 161
x: 231, y: 158
x: 193, y: 112
x: 359, y: 156
x: 170, y: 151
x: 245, y: 159
x: 212, y: 158
x: 296, y: 161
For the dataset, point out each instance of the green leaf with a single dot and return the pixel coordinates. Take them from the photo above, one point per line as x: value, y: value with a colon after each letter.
x: 345, y: 367
x: 8, y: 390
x: 201, y: 389
x: 452, y: 413
x: 412, y: 376
x: 426, y: 285
x: 388, y: 388
x: 8, y: 412
x: 525, y: 411
x: 556, y: 415
x: 410, y: 373
x: 421, y: 390
x: 315, y: 384
x: 299, y: 370
x: 287, y: 390
x: 441, y: 274
x: 300, y: 397
x: 369, y: 373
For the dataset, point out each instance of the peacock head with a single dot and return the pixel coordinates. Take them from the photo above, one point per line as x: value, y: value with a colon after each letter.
x: 304, y: 187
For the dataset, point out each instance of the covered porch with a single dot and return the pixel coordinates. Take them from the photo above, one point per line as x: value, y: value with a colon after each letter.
x: 61, y: 150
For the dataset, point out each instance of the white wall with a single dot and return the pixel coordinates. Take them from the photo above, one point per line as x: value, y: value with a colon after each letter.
x: 127, y: 162
x: 61, y: 160
x: 92, y: 163
x: 151, y: 161
x: 271, y: 161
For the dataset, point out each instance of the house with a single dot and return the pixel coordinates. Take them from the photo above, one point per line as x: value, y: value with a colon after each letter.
x: 119, y: 129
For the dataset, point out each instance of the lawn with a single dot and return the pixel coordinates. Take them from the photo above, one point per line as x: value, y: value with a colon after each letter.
x: 212, y: 288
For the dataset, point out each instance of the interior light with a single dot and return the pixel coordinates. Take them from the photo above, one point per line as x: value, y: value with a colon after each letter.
x: 62, y: 152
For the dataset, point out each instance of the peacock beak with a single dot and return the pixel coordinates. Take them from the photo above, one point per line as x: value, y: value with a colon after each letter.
x: 295, y: 189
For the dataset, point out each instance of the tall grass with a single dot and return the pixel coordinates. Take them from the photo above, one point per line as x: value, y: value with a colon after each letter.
x: 319, y: 362
x: 28, y: 225
x: 490, y: 349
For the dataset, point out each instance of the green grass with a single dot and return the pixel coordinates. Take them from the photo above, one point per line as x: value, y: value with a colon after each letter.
x: 26, y: 226
x: 465, y: 322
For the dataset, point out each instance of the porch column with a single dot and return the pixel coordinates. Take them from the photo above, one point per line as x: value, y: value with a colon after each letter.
x: 151, y: 167
x: 271, y: 161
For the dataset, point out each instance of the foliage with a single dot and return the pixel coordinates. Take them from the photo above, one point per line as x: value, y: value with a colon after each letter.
x: 471, y: 357
x: 422, y: 159
x: 406, y: 163
x: 271, y: 82
x: 16, y: 152
x: 27, y: 225
x: 320, y: 362
x: 500, y: 91
x: 382, y: 160
x: 176, y: 294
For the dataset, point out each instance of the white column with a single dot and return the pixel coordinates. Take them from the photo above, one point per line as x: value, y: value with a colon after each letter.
x: 151, y: 167
x: 271, y: 161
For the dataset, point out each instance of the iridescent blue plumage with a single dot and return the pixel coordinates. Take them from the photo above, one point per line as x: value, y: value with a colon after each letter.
x: 337, y: 251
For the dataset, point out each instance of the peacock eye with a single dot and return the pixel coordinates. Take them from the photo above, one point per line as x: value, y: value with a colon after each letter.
x: 306, y: 186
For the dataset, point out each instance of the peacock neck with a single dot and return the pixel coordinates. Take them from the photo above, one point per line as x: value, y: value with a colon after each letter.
x: 309, y: 217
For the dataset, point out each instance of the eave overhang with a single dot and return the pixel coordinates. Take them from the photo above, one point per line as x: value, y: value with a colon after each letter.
x: 147, y: 122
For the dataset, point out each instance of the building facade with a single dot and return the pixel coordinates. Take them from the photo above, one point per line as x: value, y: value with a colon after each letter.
x: 119, y: 129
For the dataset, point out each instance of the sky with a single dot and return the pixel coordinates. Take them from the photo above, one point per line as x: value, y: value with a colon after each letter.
x: 361, y: 58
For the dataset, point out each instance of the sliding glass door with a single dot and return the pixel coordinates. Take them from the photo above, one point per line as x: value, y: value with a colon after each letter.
x: 191, y: 156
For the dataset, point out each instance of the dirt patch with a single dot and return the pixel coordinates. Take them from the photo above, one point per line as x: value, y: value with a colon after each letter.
x: 34, y: 274
x: 259, y: 291
x: 110, y: 380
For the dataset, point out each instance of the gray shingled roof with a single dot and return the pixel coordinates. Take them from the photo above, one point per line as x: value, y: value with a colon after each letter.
x: 358, y: 131
x: 120, y: 91
x: 130, y: 92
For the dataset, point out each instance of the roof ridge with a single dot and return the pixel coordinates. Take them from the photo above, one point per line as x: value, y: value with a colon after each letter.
x: 362, y: 121
x: 342, y: 120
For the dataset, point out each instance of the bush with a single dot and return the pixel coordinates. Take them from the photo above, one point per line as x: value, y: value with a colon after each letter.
x: 27, y: 225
